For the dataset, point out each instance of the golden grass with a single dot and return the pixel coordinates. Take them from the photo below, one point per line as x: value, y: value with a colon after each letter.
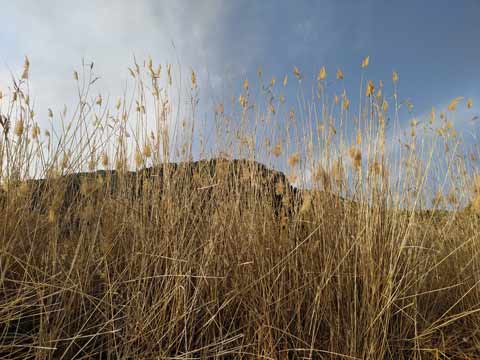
x: 223, y: 259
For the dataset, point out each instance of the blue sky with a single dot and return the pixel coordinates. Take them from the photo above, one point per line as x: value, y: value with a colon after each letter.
x: 432, y: 44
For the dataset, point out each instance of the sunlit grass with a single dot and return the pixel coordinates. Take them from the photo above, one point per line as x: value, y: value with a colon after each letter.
x: 117, y: 243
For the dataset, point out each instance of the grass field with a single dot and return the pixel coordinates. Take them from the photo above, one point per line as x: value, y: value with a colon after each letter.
x: 372, y: 255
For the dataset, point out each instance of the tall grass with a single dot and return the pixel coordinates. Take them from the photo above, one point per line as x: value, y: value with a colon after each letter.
x: 376, y: 256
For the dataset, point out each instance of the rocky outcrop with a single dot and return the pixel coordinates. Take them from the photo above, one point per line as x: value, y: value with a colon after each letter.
x: 242, y: 179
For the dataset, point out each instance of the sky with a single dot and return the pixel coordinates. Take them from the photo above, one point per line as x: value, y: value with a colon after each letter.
x: 433, y: 45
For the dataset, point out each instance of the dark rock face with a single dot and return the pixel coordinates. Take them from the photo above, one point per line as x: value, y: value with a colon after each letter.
x: 241, y: 177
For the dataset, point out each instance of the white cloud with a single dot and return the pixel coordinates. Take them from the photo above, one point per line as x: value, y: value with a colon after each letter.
x: 56, y: 35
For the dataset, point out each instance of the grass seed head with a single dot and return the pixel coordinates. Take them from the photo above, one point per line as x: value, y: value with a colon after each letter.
x: 297, y: 73
x: 194, y: 79
x: 104, y: 159
x: 355, y: 156
x: 19, y: 127
x: 394, y: 77
x: 277, y: 149
x: 454, y: 103
x: 385, y: 105
x: 469, y: 103
x: 339, y: 74
x: 169, y: 74
x: 322, y: 74
x: 294, y: 159
x: 138, y: 158
x: 370, y: 88
x: 35, y: 131
x: 242, y: 100
x: 432, y: 116
x: 272, y: 82
x: 147, y: 151
x: 359, y: 137
x: 26, y: 68
x: 365, y: 62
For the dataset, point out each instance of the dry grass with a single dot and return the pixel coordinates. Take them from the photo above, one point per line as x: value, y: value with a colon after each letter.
x: 210, y: 260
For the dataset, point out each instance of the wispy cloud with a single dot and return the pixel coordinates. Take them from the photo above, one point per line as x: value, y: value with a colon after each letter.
x: 56, y: 35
